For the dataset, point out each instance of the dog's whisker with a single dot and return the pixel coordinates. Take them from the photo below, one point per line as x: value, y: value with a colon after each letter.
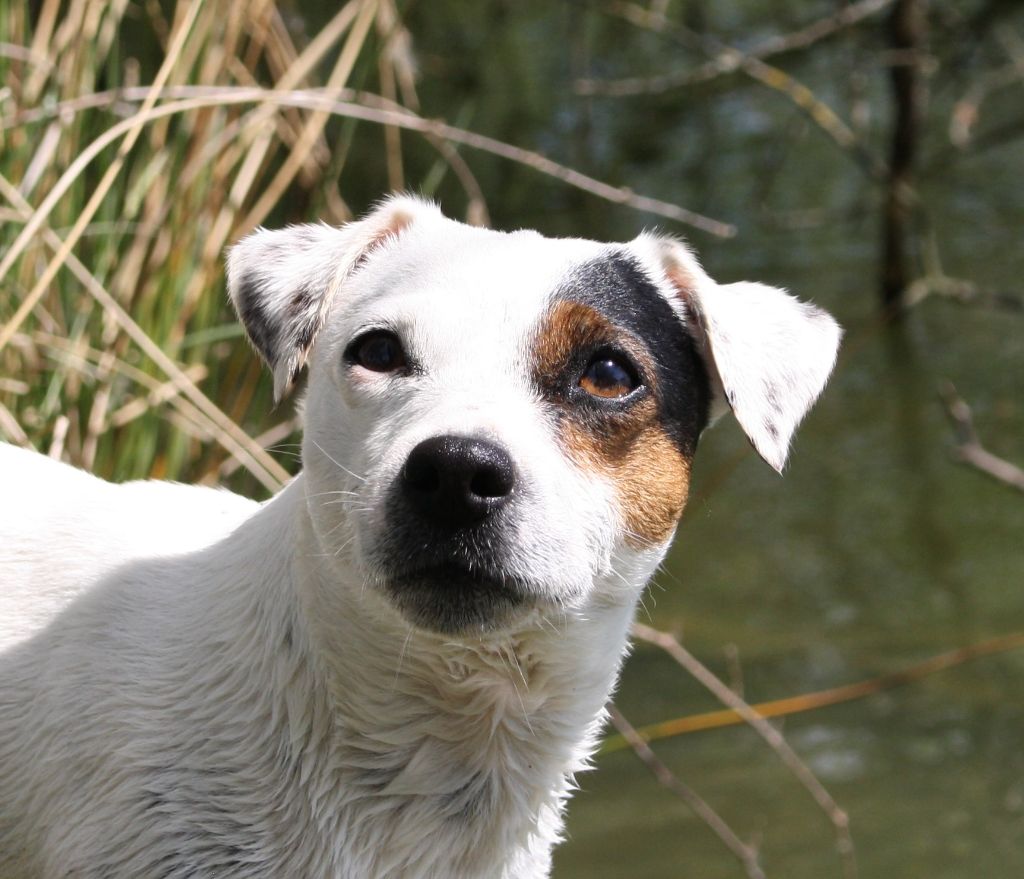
x: 643, y: 605
x: 349, y: 503
x: 342, y: 467
x: 645, y: 542
x: 401, y: 658
x: 663, y: 571
x: 332, y: 493
x: 507, y: 657
x: 351, y: 512
x: 344, y: 546
x: 341, y: 523
x: 544, y: 620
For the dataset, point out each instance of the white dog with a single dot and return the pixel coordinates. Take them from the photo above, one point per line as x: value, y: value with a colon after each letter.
x: 393, y: 667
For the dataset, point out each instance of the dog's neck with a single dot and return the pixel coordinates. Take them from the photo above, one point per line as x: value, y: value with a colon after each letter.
x: 472, y: 739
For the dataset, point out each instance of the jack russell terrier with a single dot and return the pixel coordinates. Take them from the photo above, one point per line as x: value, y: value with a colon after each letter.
x: 394, y: 667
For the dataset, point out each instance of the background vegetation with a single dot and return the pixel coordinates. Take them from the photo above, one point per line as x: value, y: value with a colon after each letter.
x: 866, y: 153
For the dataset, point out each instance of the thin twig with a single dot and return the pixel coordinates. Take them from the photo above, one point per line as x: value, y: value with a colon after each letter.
x: 132, y: 132
x: 268, y: 439
x: 315, y: 125
x: 967, y: 110
x: 317, y: 98
x: 730, y: 60
x: 10, y: 428
x: 235, y: 440
x: 60, y: 434
x: 24, y: 53
x: 969, y: 449
x: 775, y: 78
x: 790, y: 705
x: 746, y: 854
x: 840, y: 820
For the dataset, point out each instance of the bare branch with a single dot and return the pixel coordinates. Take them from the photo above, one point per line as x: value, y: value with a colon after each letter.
x: 959, y: 290
x: 731, y: 58
x: 746, y: 854
x: 967, y: 110
x: 840, y: 820
x: 727, y: 60
x: 969, y: 449
x: 790, y: 705
x: 355, y: 105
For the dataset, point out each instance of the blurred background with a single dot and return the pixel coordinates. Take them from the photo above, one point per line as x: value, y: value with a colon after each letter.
x: 867, y: 155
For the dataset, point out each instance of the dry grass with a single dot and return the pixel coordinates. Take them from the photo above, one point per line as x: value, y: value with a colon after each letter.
x: 117, y: 199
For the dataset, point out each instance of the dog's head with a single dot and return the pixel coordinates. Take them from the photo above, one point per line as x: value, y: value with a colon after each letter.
x: 501, y: 424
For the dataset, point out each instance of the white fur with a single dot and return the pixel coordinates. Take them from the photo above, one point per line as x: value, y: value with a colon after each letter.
x: 195, y: 685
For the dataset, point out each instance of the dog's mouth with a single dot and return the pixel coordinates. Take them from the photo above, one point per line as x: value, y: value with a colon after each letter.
x: 452, y: 598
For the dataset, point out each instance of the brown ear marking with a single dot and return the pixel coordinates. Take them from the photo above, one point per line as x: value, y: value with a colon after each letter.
x: 629, y: 447
x: 396, y: 221
x: 684, y: 284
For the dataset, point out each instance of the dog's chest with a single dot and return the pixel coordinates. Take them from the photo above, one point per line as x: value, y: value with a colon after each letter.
x: 458, y: 782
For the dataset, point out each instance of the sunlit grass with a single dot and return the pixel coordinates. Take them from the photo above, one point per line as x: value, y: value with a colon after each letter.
x: 122, y: 355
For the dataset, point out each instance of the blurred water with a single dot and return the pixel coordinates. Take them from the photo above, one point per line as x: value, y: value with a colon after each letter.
x: 876, y: 549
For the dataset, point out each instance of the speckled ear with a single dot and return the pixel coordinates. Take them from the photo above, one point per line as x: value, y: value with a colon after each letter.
x: 282, y: 282
x: 769, y: 354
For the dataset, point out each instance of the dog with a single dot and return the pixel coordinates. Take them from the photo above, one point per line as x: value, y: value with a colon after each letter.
x: 395, y: 666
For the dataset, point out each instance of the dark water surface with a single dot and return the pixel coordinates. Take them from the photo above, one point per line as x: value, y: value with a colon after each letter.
x: 876, y: 550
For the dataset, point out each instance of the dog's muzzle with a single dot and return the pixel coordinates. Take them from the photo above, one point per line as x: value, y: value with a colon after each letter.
x: 446, y: 557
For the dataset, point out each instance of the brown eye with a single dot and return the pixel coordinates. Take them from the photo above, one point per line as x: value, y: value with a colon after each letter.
x: 377, y: 351
x: 609, y: 376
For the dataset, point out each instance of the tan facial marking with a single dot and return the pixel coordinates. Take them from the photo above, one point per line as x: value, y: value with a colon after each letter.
x: 629, y: 447
x: 650, y: 475
x: 567, y: 327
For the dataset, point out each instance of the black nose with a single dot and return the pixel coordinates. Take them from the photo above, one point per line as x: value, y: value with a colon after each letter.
x: 456, y: 481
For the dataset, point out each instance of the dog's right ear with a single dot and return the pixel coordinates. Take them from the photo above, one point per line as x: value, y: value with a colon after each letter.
x: 282, y: 282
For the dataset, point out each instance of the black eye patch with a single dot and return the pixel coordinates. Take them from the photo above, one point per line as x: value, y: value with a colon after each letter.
x: 618, y: 289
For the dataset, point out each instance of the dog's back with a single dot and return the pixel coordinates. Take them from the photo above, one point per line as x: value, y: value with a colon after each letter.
x: 64, y: 530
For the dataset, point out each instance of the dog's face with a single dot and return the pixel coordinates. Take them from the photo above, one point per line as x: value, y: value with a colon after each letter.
x: 501, y: 426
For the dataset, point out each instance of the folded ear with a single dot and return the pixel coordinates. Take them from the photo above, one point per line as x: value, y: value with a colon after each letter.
x: 768, y: 354
x: 282, y: 282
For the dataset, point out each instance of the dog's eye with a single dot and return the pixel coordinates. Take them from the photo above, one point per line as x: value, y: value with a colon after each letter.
x: 377, y: 351
x: 609, y: 375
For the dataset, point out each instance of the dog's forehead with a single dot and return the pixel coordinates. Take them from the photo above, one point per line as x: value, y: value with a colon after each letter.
x: 476, y: 269
x: 488, y: 290
x: 461, y: 296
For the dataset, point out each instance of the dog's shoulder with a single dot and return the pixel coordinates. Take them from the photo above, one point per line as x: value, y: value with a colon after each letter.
x: 62, y: 530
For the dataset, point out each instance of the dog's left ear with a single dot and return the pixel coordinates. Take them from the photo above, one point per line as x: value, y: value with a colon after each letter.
x: 282, y: 282
x: 768, y: 354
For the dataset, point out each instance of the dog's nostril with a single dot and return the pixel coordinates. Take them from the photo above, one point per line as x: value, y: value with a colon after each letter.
x: 491, y: 482
x: 420, y: 474
x: 456, y: 481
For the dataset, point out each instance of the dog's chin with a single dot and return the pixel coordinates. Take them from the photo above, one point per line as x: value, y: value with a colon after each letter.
x: 454, y: 600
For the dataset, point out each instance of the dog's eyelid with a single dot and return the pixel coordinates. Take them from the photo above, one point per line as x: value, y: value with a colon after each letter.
x: 624, y: 353
x: 379, y: 349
